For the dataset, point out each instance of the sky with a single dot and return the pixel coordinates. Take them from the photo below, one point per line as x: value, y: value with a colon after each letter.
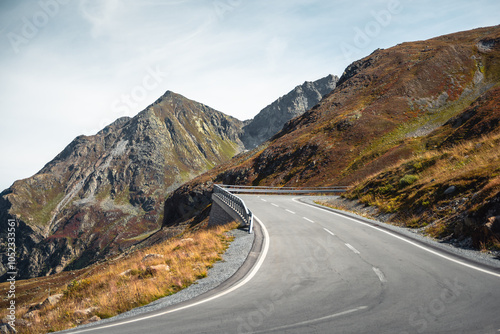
x: 70, y: 67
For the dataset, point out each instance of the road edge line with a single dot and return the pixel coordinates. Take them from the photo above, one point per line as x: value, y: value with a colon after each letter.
x: 252, y: 272
x: 404, y: 238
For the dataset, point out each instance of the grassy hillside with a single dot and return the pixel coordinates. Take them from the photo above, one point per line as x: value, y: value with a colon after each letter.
x: 115, y: 286
x: 453, y: 188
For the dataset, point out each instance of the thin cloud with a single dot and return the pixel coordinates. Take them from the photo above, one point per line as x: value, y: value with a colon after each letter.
x: 235, y: 56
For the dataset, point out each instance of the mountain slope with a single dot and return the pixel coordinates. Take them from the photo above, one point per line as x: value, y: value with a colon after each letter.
x: 104, y: 193
x: 383, y: 110
x: 453, y: 190
x: 271, y: 119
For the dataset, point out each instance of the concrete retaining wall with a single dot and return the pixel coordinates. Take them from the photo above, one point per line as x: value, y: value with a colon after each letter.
x: 221, y: 214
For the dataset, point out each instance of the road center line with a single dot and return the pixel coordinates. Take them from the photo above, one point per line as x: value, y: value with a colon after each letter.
x: 263, y: 200
x: 405, y: 240
x: 290, y: 211
x: 327, y: 230
x: 380, y: 275
x: 309, y: 220
x: 353, y: 249
x: 276, y: 205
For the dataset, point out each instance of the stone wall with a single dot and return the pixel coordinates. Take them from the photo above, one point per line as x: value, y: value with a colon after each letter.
x: 221, y: 214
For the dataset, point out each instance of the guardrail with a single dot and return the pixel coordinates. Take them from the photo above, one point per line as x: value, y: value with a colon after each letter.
x: 236, y: 204
x: 224, y: 193
x: 283, y: 190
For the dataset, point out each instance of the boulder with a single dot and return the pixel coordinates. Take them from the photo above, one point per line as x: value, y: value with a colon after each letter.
x: 53, y: 300
x: 152, y: 257
x: 85, y: 312
x: 95, y: 318
x: 161, y: 267
x: 126, y: 272
x: 450, y: 190
x: 493, y: 224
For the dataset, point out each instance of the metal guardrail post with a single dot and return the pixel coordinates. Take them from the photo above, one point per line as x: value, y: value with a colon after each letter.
x: 250, y: 228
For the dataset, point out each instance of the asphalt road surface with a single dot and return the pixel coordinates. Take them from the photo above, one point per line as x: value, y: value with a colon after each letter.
x: 320, y: 272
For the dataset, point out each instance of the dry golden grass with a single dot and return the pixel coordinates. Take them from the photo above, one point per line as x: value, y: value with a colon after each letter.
x: 472, y: 159
x: 121, y: 285
x: 415, y: 189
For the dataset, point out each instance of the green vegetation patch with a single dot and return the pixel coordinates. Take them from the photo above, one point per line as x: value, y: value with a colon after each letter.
x: 407, y: 180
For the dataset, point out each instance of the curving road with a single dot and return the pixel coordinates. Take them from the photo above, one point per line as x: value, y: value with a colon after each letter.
x: 321, y: 272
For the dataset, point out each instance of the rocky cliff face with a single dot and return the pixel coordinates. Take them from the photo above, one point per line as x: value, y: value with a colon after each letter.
x: 104, y: 193
x: 271, y: 119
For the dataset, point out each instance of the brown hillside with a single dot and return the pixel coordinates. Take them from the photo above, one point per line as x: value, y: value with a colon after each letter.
x: 386, y: 107
x: 452, y: 189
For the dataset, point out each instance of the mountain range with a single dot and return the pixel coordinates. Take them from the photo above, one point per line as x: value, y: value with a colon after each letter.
x: 104, y: 193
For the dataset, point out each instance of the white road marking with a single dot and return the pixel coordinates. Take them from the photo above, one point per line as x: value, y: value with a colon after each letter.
x: 407, y: 241
x: 353, y: 249
x: 380, y: 275
x: 290, y: 211
x: 263, y: 200
x: 309, y: 220
x: 329, y: 231
x: 254, y: 271
x: 276, y: 205
x: 308, y: 322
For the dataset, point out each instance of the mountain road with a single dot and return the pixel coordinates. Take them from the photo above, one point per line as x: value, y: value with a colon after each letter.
x: 323, y: 272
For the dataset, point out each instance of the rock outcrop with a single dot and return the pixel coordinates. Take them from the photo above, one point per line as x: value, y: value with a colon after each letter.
x: 271, y: 119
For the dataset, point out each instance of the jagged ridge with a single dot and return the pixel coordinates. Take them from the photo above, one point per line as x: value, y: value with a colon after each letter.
x: 271, y: 119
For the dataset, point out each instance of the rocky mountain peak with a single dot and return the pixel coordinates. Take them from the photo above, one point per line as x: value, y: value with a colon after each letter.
x: 272, y: 118
x: 104, y: 193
